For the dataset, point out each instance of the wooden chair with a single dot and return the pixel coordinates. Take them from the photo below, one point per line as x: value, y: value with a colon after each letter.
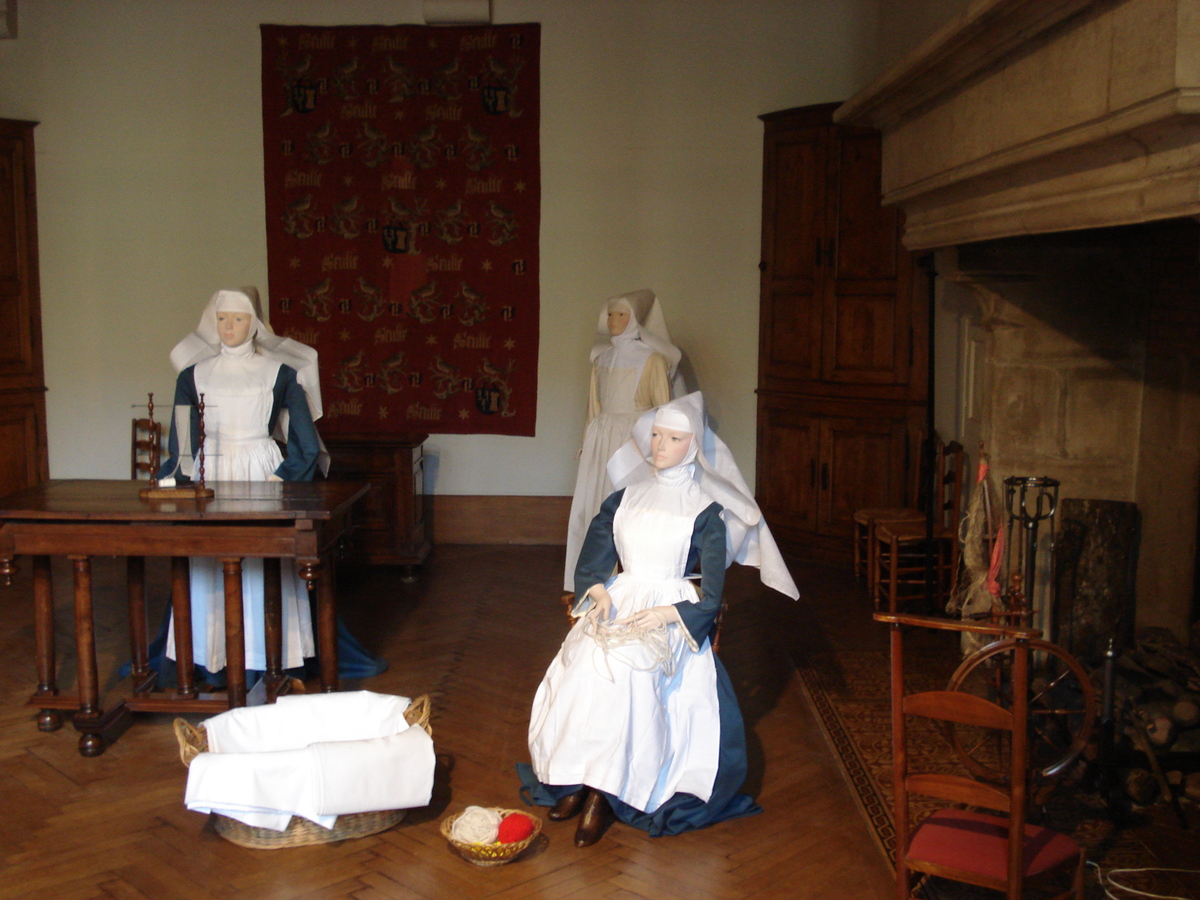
x: 902, y: 562
x: 865, y: 521
x: 866, y: 518
x: 999, y: 849
x: 145, y: 448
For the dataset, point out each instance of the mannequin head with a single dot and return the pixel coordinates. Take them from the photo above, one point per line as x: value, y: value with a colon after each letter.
x: 668, y: 447
x: 672, y: 438
x: 619, y: 314
x: 233, y: 327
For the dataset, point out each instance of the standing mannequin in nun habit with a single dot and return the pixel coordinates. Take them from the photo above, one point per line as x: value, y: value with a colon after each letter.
x: 636, y: 718
x: 257, y: 387
x: 634, y: 366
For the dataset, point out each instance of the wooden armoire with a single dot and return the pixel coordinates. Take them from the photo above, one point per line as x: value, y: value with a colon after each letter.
x: 843, y: 344
x: 23, y: 457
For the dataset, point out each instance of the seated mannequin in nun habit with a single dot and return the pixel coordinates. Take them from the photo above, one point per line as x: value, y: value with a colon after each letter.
x: 634, y: 368
x: 256, y: 387
x: 636, y: 718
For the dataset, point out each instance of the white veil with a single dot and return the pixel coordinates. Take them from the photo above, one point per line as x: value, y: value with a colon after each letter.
x: 205, y: 342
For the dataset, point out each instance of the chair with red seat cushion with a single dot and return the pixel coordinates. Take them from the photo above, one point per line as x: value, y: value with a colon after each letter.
x: 998, y: 849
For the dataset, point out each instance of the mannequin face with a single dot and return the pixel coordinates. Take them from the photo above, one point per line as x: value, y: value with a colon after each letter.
x: 233, y: 327
x: 668, y: 447
x: 618, y: 321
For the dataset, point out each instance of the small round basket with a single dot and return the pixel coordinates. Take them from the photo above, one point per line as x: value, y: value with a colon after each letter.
x: 301, y: 832
x: 496, y: 854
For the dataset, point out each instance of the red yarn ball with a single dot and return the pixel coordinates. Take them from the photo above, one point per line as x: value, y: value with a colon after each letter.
x: 514, y: 827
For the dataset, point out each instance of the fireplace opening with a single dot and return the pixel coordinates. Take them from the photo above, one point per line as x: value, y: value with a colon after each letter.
x: 1077, y: 357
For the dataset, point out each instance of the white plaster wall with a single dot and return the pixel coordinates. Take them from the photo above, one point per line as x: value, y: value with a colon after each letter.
x: 149, y: 164
x: 904, y: 24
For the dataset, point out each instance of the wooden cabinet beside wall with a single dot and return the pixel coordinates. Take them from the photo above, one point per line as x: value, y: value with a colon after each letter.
x: 392, y: 530
x: 23, y: 456
x: 842, y: 334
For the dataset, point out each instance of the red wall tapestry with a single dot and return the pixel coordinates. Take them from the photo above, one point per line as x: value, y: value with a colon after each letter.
x: 403, y: 204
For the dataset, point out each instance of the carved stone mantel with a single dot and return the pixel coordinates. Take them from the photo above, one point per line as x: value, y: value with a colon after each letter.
x: 1034, y: 116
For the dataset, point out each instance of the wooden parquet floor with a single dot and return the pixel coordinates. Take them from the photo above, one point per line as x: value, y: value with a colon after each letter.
x: 476, y: 631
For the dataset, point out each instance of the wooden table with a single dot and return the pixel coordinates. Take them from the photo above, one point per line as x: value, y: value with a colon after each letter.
x: 79, y: 519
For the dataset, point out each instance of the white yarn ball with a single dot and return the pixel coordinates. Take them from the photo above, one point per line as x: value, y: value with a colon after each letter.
x: 476, y: 825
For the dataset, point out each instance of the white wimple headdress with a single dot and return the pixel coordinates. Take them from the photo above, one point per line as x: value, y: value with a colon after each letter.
x: 647, y: 324
x: 748, y: 540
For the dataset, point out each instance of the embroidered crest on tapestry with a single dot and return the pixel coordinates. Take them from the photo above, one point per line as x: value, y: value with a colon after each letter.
x: 403, y: 197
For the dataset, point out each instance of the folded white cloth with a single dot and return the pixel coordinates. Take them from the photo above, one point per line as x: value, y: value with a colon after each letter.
x: 312, y: 755
x: 297, y: 720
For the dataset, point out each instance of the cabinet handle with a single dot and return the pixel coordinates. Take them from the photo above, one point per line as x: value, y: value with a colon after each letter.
x: 824, y: 476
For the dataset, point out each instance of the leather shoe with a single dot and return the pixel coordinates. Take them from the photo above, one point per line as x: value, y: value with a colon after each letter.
x: 568, y: 805
x: 597, y: 816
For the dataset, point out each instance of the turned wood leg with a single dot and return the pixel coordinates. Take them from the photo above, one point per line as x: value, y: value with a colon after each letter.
x: 235, y: 638
x: 135, y: 583
x: 273, y: 623
x: 894, y: 579
x: 8, y: 568
x: 181, y: 609
x: 90, y: 743
x: 43, y: 638
x: 327, y: 654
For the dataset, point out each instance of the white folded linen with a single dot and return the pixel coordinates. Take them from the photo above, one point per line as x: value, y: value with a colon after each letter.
x: 300, y: 773
x: 297, y: 720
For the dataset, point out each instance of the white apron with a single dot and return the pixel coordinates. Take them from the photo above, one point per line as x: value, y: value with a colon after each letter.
x: 238, y: 393
x: 620, y: 721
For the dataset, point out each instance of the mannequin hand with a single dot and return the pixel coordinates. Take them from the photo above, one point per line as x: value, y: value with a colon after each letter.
x: 273, y: 477
x: 602, y: 604
x: 654, y: 617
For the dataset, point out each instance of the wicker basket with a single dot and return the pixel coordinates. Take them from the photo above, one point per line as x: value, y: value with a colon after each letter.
x: 496, y: 854
x: 300, y: 832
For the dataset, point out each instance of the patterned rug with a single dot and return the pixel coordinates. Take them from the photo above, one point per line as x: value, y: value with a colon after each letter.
x: 848, y: 691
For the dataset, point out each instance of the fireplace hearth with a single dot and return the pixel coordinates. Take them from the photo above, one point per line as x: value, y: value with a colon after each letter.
x: 1048, y: 151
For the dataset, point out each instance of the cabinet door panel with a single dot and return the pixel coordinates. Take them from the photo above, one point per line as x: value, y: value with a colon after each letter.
x: 17, y: 351
x: 791, y: 351
x: 23, y: 457
x: 795, y: 164
x: 20, y: 435
x: 867, y: 304
x: 792, y: 237
x: 788, y: 477
x: 866, y: 231
x: 867, y: 339
x: 863, y: 464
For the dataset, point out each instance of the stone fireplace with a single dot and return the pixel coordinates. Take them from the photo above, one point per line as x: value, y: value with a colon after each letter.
x: 1048, y: 152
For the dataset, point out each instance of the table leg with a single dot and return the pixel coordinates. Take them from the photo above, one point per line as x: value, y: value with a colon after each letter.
x: 90, y: 743
x: 235, y: 639
x: 135, y: 584
x: 43, y: 637
x: 327, y: 654
x: 181, y: 610
x: 273, y: 624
